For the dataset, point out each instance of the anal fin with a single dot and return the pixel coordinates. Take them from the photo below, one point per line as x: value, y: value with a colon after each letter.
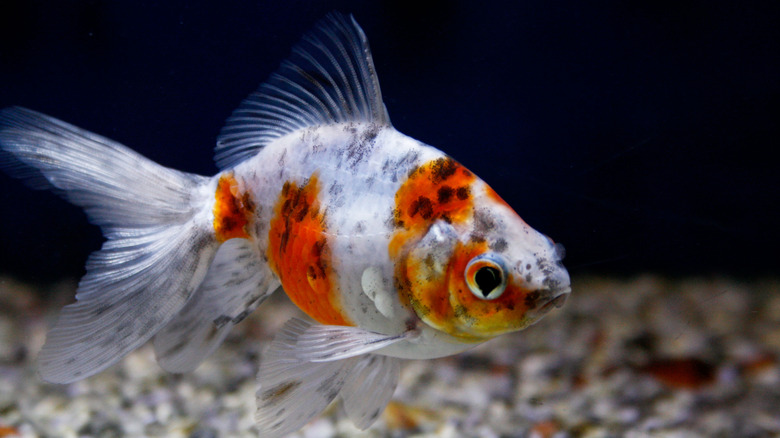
x: 294, y: 389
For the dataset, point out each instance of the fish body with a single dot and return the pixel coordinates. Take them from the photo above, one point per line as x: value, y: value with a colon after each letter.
x: 393, y: 249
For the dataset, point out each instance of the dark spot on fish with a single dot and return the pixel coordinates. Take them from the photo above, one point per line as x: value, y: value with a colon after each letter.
x: 545, y: 266
x: 429, y: 261
x: 280, y: 390
x: 419, y: 308
x: 316, y: 249
x: 443, y: 168
x: 483, y: 222
x: 423, y: 206
x: 528, y: 266
x: 284, y: 239
x: 123, y: 329
x: 395, y: 218
x: 532, y: 299
x: 311, y: 273
x: 241, y: 316
x: 335, y: 189
x: 302, y: 212
x: 476, y: 237
x: 463, y: 193
x: 175, y: 348
x: 102, y: 308
x: 228, y: 223
x: 444, y: 194
x: 385, y: 165
x: 499, y: 245
x: 370, y: 134
x: 220, y: 321
x: 248, y: 203
x: 328, y: 387
x: 314, y: 212
x: 360, y: 227
x: 287, y: 206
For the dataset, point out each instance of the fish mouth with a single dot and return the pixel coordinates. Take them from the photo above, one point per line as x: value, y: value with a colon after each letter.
x: 556, y: 303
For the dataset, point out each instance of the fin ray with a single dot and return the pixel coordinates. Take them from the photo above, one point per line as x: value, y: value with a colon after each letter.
x: 236, y: 283
x: 293, y: 391
x: 329, y: 78
x: 324, y: 343
x: 159, y: 238
x: 370, y: 388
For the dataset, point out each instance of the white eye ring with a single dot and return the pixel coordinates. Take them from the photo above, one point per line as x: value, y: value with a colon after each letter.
x: 486, y: 277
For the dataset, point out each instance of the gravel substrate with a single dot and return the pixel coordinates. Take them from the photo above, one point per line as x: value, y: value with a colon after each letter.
x: 642, y: 357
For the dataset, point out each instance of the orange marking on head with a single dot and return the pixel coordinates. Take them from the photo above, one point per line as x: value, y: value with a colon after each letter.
x: 233, y: 211
x: 299, y: 254
x: 438, y: 189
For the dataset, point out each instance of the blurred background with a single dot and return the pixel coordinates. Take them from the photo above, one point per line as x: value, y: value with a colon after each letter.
x: 641, y: 135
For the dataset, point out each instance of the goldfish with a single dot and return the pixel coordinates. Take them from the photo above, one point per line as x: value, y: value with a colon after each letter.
x: 393, y: 249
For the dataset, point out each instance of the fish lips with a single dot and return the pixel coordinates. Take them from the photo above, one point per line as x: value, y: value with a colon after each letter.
x: 551, y: 299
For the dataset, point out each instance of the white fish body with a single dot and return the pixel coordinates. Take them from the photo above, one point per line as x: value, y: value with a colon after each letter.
x: 393, y: 248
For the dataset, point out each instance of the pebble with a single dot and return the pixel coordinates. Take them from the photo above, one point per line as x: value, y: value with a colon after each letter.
x: 641, y: 357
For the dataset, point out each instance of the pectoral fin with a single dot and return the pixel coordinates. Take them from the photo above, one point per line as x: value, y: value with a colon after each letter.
x: 324, y: 343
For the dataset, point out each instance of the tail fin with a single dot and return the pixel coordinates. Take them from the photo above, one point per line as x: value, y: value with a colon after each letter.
x: 157, y: 222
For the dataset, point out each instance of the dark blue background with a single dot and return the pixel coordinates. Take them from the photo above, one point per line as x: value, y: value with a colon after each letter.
x: 642, y: 135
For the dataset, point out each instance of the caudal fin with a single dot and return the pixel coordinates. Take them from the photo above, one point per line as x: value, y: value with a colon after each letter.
x: 158, y: 226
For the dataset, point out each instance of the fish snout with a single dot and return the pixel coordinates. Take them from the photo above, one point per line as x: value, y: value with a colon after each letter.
x: 556, y: 288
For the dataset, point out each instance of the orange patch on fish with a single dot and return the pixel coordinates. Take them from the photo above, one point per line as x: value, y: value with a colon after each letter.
x: 447, y: 303
x: 430, y: 296
x: 438, y: 189
x: 232, y: 210
x: 298, y: 252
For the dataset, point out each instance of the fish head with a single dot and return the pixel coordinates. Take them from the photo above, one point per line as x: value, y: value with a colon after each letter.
x: 482, y: 271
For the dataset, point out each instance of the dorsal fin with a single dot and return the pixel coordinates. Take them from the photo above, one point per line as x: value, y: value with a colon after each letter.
x: 329, y: 78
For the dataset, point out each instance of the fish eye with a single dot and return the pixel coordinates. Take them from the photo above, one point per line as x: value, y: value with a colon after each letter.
x: 485, y: 277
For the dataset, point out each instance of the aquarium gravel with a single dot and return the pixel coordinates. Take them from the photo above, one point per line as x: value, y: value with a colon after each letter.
x: 646, y: 356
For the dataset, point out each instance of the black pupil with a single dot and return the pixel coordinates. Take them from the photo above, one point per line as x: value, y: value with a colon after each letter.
x: 487, y: 279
